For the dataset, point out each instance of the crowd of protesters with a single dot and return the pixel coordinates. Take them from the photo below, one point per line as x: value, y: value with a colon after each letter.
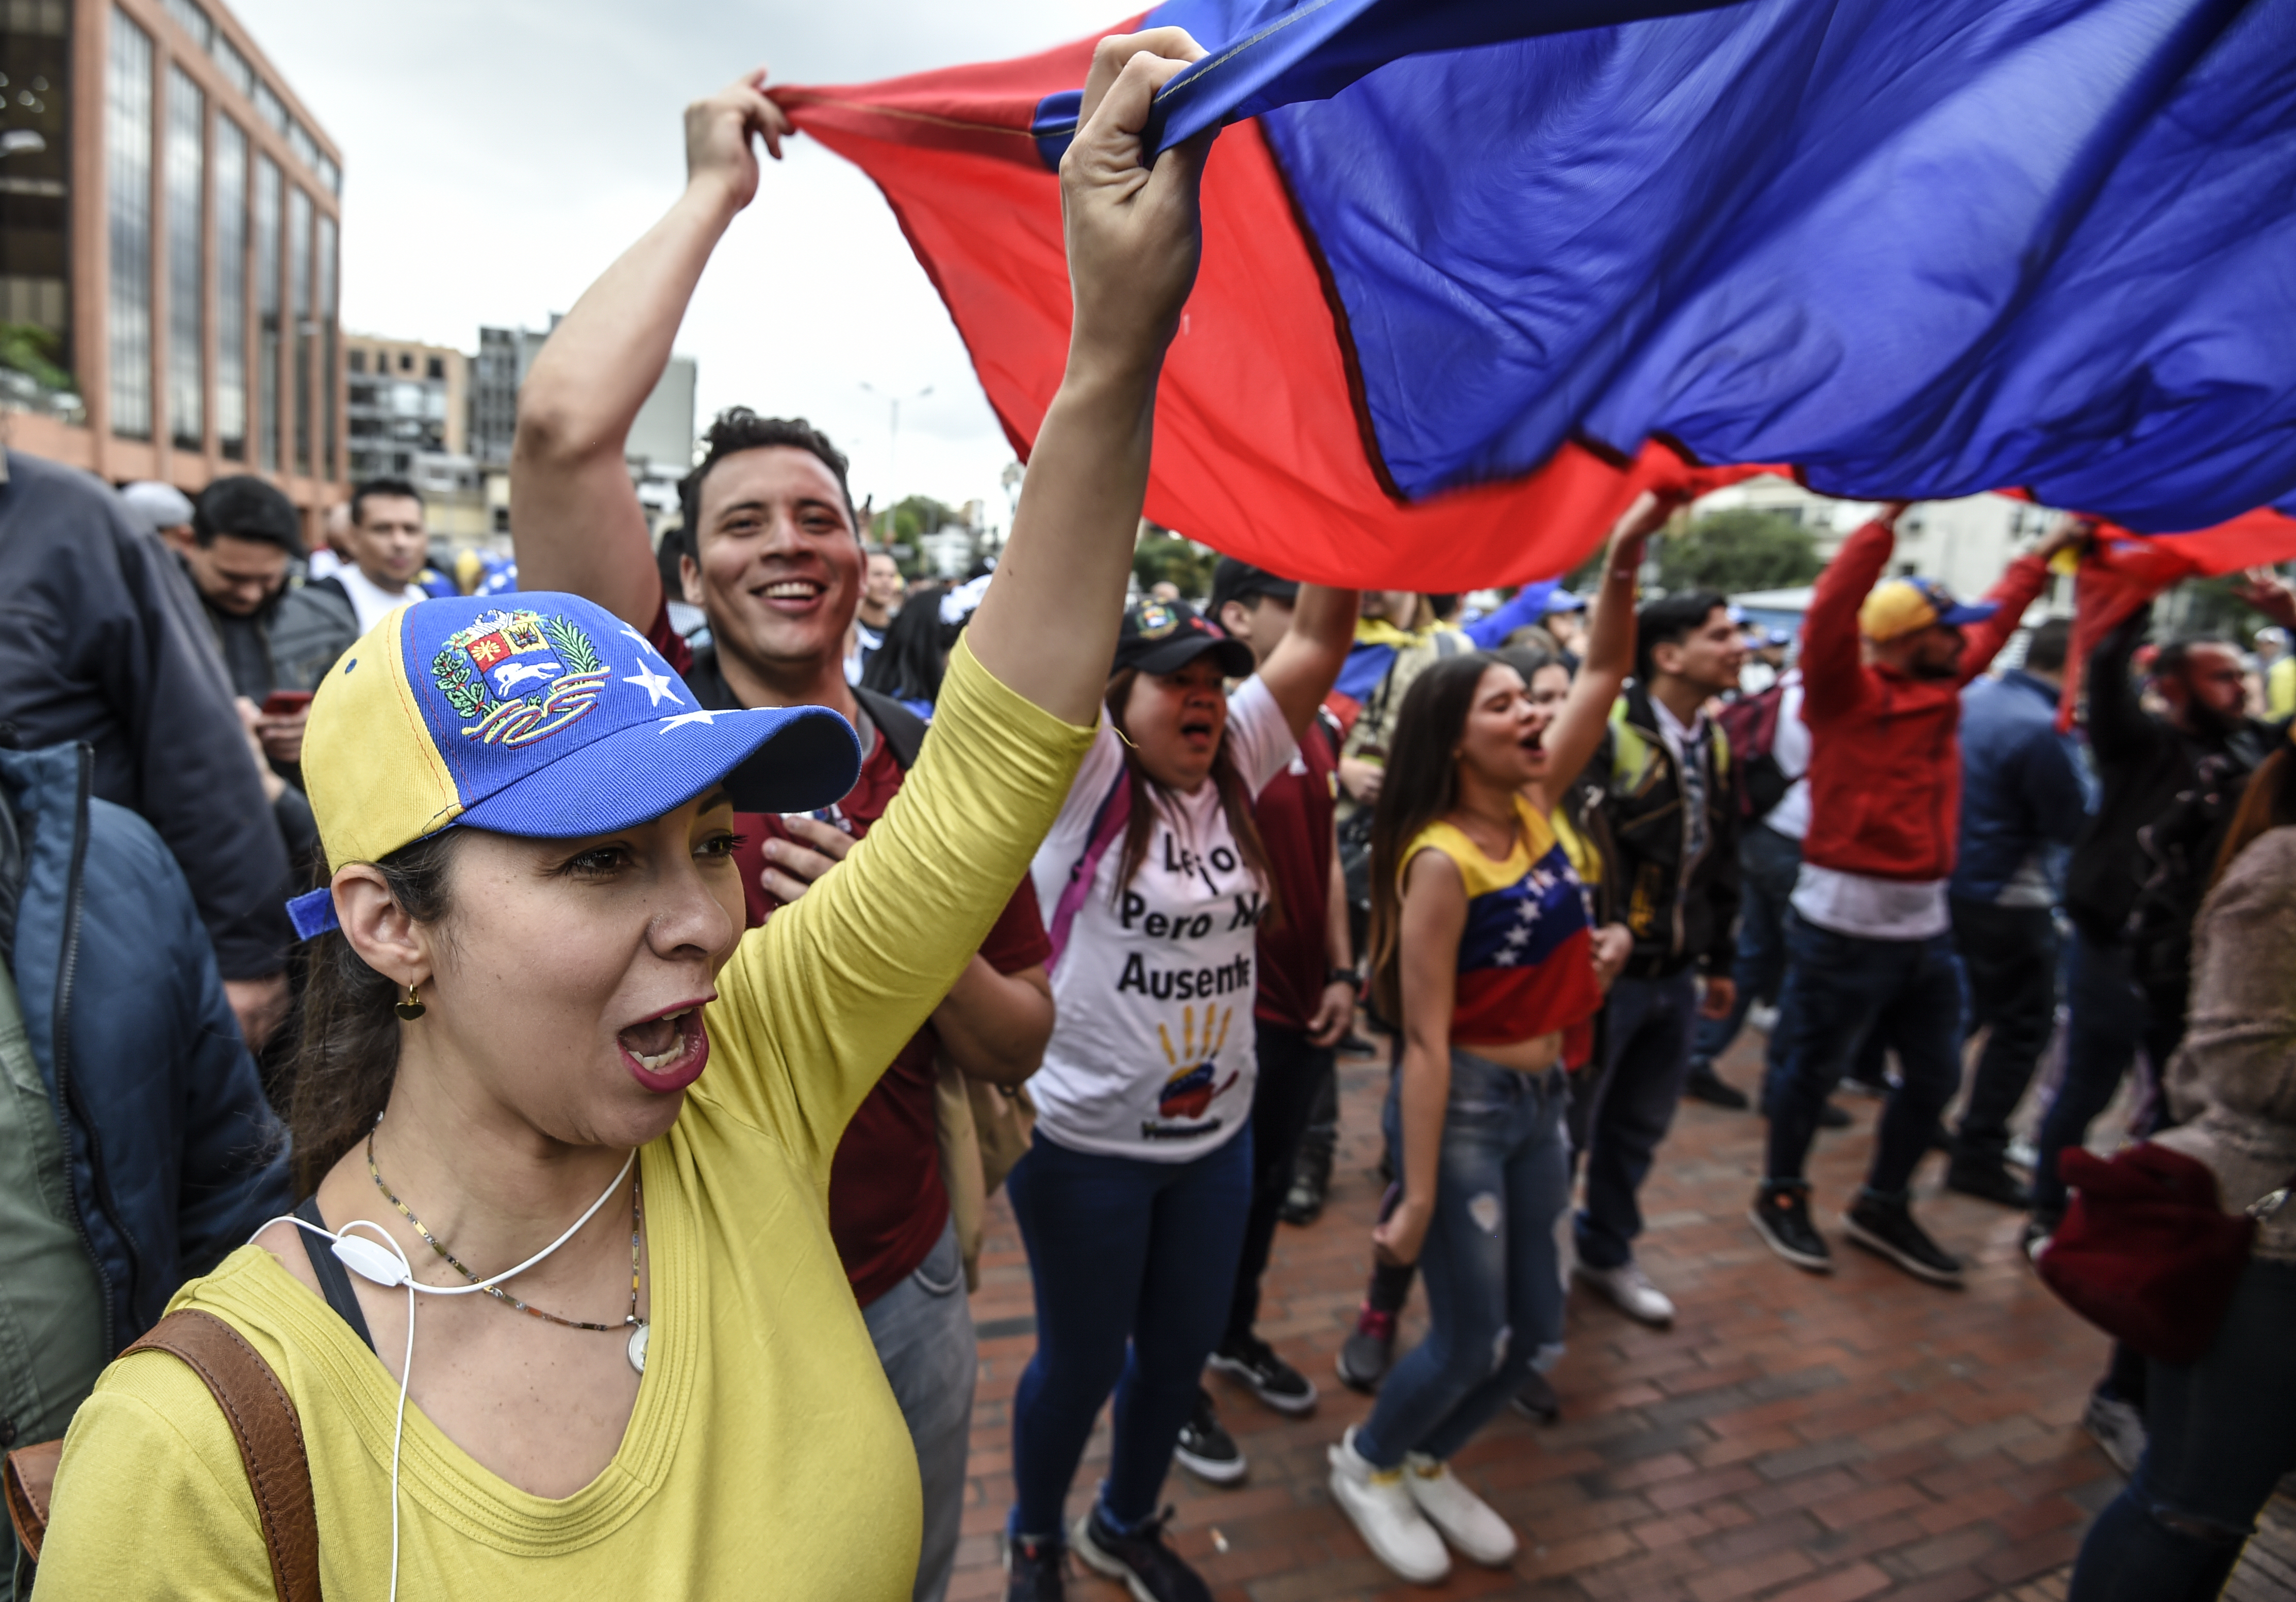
x: 1022, y: 880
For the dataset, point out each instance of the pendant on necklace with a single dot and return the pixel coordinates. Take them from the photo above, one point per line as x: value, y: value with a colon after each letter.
x: 638, y: 1347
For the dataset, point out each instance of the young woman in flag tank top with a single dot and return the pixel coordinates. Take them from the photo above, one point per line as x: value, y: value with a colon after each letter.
x: 1133, y: 1199
x: 1481, y: 944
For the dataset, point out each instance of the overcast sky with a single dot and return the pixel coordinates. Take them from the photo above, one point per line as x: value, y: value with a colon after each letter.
x: 498, y: 155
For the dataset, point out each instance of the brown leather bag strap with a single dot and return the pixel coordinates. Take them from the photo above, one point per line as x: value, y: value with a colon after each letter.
x: 263, y: 1421
x: 31, y: 1478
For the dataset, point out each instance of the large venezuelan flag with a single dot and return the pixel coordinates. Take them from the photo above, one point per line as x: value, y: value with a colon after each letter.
x: 1475, y: 273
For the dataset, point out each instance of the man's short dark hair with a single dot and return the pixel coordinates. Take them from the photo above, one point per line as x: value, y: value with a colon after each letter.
x: 737, y: 428
x: 2045, y: 651
x: 2174, y: 660
x: 1669, y: 621
x: 396, y: 488
x: 247, y: 507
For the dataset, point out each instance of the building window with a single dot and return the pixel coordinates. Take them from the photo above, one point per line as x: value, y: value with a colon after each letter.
x: 329, y: 464
x: 187, y: 259
x: 435, y: 369
x: 305, y: 148
x: 266, y: 313
x: 36, y: 244
x: 267, y: 106
x: 231, y: 288
x: 236, y: 72
x: 192, y: 20
x: 298, y: 308
x: 128, y: 137
x: 405, y: 362
x: 358, y: 362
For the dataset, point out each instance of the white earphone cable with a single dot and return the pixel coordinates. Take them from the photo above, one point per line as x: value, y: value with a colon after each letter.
x: 370, y: 1268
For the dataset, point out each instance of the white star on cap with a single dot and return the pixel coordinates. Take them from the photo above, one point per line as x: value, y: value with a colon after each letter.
x: 702, y: 715
x: 655, y: 685
x: 644, y: 644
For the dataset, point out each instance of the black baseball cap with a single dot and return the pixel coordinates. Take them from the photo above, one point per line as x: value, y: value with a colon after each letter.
x: 1164, y: 637
x: 1234, y: 580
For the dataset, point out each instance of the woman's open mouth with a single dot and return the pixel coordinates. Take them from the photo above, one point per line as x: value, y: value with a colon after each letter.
x: 668, y: 1052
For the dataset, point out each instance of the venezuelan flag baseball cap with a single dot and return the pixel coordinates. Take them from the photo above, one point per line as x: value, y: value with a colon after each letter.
x: 1901, y: 606
x: 551, y: 718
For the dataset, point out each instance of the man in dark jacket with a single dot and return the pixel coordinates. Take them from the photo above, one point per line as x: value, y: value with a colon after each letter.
x: 1671, y: 807
x: 2022, y: 802
x: 102, y: 641
x: 135, y: 1146
x: 2144, y: 764
x: 242, y: 536
x: 1870, y: 948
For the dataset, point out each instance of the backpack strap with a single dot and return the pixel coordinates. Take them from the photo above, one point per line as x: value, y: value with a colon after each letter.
x: 904, y: 732
x: 270, y: 1437
x: 1107, y: 823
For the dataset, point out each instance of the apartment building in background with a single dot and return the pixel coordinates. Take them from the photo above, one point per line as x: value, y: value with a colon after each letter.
x: 170, y: 236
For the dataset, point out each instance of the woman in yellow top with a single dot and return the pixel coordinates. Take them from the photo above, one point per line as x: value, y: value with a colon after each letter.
x: 694, y: 1409
x: 1482, y: 944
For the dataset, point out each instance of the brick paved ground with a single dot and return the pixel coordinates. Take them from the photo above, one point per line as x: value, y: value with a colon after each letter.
x: 1792, y: 1438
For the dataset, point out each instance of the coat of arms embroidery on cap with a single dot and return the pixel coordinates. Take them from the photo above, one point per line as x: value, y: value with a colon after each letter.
x: 519, y: 677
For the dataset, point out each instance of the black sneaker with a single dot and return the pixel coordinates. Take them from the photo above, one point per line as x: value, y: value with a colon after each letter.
x: 1888, y: 1228
x: 1782, y: 1219
x: 1035, y: 1569
x: 1205, y: 1450
x: 1368, y: 1350
x: 1988, y: 1183
x: 1150, y: 1570
x: 1716, y: 1092
x: 1252, y: 1363
x: 1536, y: 1399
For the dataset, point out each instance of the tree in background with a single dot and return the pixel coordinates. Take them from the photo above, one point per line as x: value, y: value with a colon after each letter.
x: 1161, y: 555
x: 1738, y: 550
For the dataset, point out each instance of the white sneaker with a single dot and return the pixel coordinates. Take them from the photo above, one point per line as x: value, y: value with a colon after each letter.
x: 1630, y: 1289
x: 1465, y: 1519
x: 1385, y: 1514
x: 2117, y: 1428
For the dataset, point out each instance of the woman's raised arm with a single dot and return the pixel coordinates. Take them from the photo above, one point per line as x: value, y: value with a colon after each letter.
x: 1577, y: 727
x: 1047, y: 627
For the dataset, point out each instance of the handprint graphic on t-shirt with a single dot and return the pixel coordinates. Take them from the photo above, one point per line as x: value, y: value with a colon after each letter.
x: 1189, y: 1092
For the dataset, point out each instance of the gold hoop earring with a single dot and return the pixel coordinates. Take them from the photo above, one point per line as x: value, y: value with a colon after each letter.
x: 412, y: 1007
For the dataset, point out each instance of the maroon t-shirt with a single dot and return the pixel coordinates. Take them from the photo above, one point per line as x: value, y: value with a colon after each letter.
x: 887, y: 1204
x: 1294, y: 814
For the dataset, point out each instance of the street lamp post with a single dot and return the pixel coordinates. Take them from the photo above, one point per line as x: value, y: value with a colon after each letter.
x: 893, y: 434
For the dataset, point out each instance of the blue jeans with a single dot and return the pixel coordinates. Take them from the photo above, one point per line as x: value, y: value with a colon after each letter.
x: 1494, y: 1289
x: 923, y: 1330
x: 1134, y: 1265
x: 2107, y: 1019
x: 2220, y: 1432
x: 1647, y: 1039
x: 1844, y: 991
x: 1767, y: 865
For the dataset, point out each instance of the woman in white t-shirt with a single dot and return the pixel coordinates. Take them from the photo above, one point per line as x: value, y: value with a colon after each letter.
x: 1132, y: 1200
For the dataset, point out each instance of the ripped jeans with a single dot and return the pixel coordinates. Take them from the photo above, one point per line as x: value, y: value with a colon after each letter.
x: 1494, y: 1290
x: 2221, y: 1432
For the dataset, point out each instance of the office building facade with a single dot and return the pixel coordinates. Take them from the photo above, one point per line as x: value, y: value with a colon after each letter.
x: 170, y: 241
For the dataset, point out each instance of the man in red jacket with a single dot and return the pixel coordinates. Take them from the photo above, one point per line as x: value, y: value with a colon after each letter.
x: 1870, y: 939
